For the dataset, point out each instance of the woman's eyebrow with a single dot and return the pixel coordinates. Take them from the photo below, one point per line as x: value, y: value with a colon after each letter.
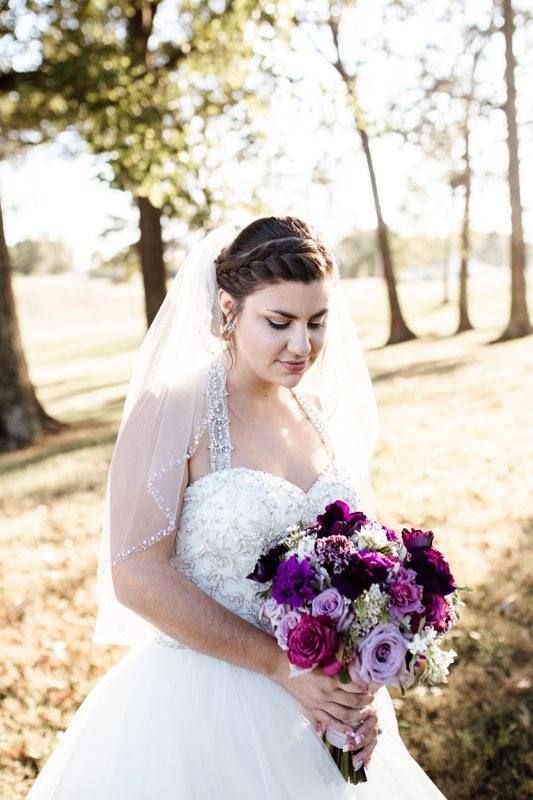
x: 293, y: 316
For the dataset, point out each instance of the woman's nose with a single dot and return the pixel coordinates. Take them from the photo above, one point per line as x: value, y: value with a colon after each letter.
x: 300, y: 343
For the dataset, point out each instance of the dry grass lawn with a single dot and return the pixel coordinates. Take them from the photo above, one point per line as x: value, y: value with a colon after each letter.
x: 456, y: 455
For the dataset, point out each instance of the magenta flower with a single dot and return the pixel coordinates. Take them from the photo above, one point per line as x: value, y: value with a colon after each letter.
x: 267, y: 564
x: 365, y: 568
x: 334, y: 551
x: 437, y: 611
x: 312, y: 642
x: 416, y: 539
x: 433, y: 571
x: 338, y: 519
x: 293, y: 582
x: 390, y: 534
x: 405, y: 594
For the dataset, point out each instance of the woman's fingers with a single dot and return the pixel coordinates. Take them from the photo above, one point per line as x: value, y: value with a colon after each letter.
x: 368, y: 731
x: 356, y: 684
x: 362, y: 757
x: 350, y: 699
x: 326, y: 720
x: 348, y: 715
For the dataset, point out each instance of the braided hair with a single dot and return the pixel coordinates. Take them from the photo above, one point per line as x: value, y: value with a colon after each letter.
x: 271, y: 250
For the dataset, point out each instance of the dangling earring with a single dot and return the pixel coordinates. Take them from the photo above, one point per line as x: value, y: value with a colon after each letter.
x: 229, y: 327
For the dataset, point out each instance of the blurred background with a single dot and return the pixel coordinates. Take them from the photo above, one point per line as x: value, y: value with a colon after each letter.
x: 402, y: 130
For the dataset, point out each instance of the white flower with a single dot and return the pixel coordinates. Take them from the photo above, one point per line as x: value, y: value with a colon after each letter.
x: 306, y: 549
x: 438, y: 663
x: 370, y: 608
x: 421, y: 641
x: 372, y: 537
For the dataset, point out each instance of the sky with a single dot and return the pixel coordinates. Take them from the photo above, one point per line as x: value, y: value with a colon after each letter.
x: 47, y: 194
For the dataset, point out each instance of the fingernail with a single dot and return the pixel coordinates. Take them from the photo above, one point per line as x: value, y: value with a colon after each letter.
x: 357, y: 765
x: 359, y: 740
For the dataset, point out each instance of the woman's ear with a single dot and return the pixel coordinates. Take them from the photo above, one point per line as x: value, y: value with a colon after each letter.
x: 225, y: 301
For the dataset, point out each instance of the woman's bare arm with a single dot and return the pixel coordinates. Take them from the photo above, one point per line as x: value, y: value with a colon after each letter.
x: 149, y: 585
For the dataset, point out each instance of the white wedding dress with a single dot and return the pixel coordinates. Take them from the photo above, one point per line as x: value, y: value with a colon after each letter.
x: 170, y: 723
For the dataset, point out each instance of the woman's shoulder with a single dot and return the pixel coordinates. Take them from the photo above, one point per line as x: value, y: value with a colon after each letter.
x: 313, y: 397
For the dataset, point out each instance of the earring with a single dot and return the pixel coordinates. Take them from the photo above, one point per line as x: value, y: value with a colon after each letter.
x: 229, y: 327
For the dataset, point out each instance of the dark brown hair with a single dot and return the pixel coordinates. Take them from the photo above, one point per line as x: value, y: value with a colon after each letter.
x: 271, y: 250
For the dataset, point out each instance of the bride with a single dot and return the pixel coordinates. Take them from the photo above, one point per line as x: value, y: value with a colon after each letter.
x: 249, y: 408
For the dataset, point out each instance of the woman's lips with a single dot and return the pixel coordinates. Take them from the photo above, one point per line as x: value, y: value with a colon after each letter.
x: 293, y: 366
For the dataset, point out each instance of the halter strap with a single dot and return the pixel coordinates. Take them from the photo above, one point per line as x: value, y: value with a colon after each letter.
x: 220, y: 446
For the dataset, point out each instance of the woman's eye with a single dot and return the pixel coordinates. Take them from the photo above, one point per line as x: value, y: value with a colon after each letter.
x: 281, y: 325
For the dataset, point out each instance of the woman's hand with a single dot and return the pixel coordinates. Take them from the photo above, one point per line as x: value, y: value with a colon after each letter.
x: 328, y: 703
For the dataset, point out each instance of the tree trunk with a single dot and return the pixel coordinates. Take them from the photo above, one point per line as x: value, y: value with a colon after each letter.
x: 446, y: 272
x: 519, y: 323
x: 464, y: 319
x: 399, y: 330
x: 151, y: 254
x: 22, y: 418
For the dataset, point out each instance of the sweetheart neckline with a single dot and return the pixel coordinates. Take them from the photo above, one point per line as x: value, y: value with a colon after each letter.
x: 272, y: 475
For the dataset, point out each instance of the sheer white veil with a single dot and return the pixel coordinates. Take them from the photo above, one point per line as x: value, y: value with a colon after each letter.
x: 166, y: 413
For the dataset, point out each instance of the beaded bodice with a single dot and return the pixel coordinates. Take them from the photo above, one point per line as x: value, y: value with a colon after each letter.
x: 233, y: 513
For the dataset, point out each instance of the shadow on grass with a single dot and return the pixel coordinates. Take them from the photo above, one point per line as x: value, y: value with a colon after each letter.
x: 474, y: 738
x: 76, y: 349
x: 432, y: 367
x: 75, y: 439
x: 75, y: 391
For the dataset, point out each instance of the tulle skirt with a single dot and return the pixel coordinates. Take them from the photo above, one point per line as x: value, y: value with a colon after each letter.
x: 175, y: 724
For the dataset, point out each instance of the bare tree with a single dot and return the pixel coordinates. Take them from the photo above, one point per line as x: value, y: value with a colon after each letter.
x: 399, y: 331
x: 519, y: 323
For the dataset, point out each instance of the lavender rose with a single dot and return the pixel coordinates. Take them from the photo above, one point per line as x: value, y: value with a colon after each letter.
x: 293, y: 582
x: 381, y: 657
x: 331, y: 603
x: 286, y: 625
x: 272, y: 610
x: 405, y: 594
x: 312, y: 642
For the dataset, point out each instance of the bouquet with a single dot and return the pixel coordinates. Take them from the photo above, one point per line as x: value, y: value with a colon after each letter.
x: 351, y: 596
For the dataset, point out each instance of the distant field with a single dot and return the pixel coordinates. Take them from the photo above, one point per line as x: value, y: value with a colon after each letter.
x: 455, y: 454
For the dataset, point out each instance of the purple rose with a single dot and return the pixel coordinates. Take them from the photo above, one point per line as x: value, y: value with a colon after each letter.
x: 381, y: 657
x: 405, y: 594
x: 416, y: 540
x: 312, y: 642
x: 437, y: 611
x: 292, y: 583
x: 364, y: 568
x: 331, y: 603
x: 272, y: 611
x: 338, y: 519
x: 433, y: 571
x: 287, y: 624
x: 267, y: 564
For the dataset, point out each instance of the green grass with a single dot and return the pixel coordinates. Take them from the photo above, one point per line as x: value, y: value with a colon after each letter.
x: 455, y: 454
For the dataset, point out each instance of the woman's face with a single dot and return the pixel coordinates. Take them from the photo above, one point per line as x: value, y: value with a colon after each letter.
x: 280, y: 329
